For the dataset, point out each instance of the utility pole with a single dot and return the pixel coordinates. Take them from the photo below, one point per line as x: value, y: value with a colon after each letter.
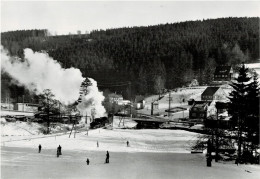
x: 48, y: 113
x: 217, y: 138
x: 152, y: 108
x: 9, y: 102
x: 169, y: 104
x: 59, y: 111
x: 23, y: 103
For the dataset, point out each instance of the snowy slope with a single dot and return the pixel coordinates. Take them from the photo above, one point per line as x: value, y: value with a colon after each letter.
x: 150, y: 140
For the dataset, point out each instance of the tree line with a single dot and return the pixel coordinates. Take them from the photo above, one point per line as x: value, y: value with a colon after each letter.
x: 152, y: 57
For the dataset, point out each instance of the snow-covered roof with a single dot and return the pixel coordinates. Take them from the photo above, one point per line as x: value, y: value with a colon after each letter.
x: 210, y: 91
x: 223, y: 70
x: 113, y: 95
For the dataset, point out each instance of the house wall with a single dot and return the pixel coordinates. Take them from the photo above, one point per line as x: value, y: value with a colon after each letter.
x: 222, y: 77
x: 211, y: 110
x: 25, y: 107
x: 115, y: 100
x: 219, y: 95
x: 140, y: 105
x: 206, y: 98
x: 197, y: 113
x: 7, y: 106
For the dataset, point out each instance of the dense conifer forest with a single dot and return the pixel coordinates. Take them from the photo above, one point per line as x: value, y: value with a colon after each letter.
x: 145, y: 60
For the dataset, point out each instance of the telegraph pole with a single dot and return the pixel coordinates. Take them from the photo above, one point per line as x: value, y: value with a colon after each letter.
x: 217, y: 137
x: 152, y: 108
x: 169, y: 104
x: 23, y: 103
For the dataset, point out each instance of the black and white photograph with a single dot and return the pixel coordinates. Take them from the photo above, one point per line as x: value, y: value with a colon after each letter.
x: 130, y: 89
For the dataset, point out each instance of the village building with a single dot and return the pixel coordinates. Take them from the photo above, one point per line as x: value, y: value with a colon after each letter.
x: 222, y: 110
x: 115, y: 98
x: 26, y: 107
x: 139, y: 102
x: 213, y: 93
x: 223, y: 73
x: 202, y: 110
x: 124, y: 102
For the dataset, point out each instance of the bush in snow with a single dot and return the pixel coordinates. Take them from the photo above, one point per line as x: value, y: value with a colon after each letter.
x: 43, y: 130
x: 3, y: 121
x: 194, y: 82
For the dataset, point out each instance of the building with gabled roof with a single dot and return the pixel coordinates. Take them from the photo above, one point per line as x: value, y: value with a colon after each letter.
x: 115, y: 98
x: 213, y: 93
x: 202, y: 110
x: 223, y: 73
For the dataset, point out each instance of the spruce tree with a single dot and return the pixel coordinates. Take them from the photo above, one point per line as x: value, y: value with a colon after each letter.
x: 252, y: 120
x: 238, y: 101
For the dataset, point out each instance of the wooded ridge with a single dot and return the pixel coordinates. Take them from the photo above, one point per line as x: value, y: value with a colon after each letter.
x: 151, y: 58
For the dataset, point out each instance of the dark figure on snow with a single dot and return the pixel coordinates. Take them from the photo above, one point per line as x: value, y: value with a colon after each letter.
x: 107, y: 157
x: 58, y: 152
x: 87, y: 161
x: 40, y: 148
x: 97, y: 144
x: 127, y: 144
x: 237, y: 161
x: 59, y: 148
x: 209, y: 159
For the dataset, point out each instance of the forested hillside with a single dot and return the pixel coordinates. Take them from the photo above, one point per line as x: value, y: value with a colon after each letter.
x: 151, y: 58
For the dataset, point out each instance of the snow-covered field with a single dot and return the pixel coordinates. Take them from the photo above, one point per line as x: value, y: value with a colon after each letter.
x: 176, y: 100
x: 153, y: 153
x: 26, y: 163
x: 255, y: 66
x: 13, y: 135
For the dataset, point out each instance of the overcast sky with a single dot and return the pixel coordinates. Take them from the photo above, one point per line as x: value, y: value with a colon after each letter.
x: 63, y: 17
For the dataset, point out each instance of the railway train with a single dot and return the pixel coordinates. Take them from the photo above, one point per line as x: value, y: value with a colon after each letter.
x: 101, y: 122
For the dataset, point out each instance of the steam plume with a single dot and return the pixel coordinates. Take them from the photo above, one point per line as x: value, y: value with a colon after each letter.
x: 39, y: 71
x: 92, y: 100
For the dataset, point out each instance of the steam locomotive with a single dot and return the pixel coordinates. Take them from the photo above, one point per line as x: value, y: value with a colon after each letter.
x: 101, y: 122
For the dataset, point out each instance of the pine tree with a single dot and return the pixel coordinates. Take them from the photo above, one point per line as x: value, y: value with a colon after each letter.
x: 252, y: 120
x: 83, y: 89
x: 238, y: 101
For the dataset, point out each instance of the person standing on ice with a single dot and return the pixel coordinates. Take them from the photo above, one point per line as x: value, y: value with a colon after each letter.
x: 59, y: 148
x: 97, y: 144
x: 87, y: 161
x: 40, y: 148
x: 127, y: 144
x: 58, y: 152
x: 107, y: 157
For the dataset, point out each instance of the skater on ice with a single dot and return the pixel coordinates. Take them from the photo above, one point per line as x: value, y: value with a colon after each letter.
x: 107, y: 157
x: 58, y: 152
x: 40, y: 148
x: 127, y: 144
x: 87, y: 161
x: 59, y: 148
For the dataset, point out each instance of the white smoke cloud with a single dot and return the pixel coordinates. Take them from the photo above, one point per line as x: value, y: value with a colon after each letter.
x: 39, y: 71
x: 92, y: 100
